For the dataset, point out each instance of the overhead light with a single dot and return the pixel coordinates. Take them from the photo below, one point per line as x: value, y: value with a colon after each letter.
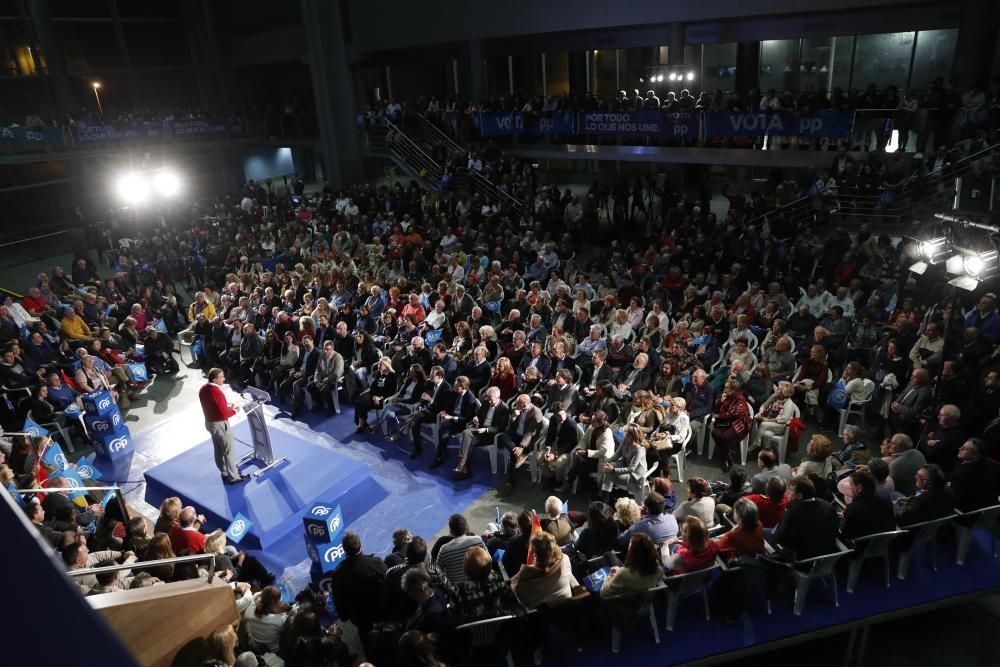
x: 133, y: 188
x: 973, y: 265
x: 690, y: 76
x: 167, y: 183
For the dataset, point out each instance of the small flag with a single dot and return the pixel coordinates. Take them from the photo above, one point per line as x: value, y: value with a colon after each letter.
x: 107, y: 499
x: 566, y: 507
x: 238, y: 528
x: 498, y: 515
x: 536, y: 527
x: 34, y: 430
x: 85, y: 468
x: 286, y: 595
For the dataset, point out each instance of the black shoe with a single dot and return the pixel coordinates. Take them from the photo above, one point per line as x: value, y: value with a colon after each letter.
x: 460, y: 473
x: 416, y: 453
x: 727, y: 463
x: 362, y: 428
x: 241, y: 478
x: 437, y: 462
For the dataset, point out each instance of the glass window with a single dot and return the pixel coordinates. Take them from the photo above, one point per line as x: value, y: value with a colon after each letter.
x: 933, y: 56
x: 603, y: 73
x: 161, y: 44
x: 779, y: 64
x: 718, y: 68
x: 88, y: 46
x: 826, y: 63
x: 883, y: 60
x: 635, y: 65
x: 528, y: 74
x: 557, y: 73
x: 497, y: 76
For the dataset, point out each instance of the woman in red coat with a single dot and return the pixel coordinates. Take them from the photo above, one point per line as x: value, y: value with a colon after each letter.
x: 732, y: 421
x: 503, y: 378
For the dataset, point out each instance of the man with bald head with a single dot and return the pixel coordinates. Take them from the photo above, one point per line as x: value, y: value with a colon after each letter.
x: 186, y: 535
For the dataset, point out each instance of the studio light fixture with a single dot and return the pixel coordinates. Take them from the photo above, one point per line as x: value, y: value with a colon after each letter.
x: 136, y: 188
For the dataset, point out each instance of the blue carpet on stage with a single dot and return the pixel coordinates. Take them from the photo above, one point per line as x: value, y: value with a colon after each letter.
x: 378, y: 487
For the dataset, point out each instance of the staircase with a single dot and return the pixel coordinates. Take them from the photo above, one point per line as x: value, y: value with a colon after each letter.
x: 411, y: 151
x: 918, y: 203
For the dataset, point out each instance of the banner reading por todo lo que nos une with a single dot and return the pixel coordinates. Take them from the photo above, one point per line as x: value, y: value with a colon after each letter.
x: 644, y: 123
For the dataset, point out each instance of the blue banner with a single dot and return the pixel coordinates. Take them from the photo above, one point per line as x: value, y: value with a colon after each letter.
x: 497, y: 124
x: 31, y: 135
x: 162, y: 130
x: 640, y: 123
x: 822, y: 124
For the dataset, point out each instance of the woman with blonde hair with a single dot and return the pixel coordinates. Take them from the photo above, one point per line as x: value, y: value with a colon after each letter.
x: 627, y: 511
x: 548, y: 578
x: 696, y: 550
x: 775, y: 413
x: 621, y: 326
x: 220, y: 647
x: 504, y: 378
x: 818, y: 458
x: 647, y: 413
x: 170, y: 512
x: 627, y: 466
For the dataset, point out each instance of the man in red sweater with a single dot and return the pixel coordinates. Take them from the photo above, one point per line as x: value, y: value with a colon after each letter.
x: 186, y: 534
x: 217, y: 413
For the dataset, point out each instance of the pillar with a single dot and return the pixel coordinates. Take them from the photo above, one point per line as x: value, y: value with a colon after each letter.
x: 57, y: 74
x: 747, y: 67
x: 133, y: 82
x: 333, y: 89
x: 675, y: 47
x: 578, y: 72
x: 977, y: 37
x: 475, y: 91
x: 209, y: 77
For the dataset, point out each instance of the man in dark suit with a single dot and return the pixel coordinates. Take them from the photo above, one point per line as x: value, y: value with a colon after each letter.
x: 296, y: 381
x: 534, y: 358
x: 940, y: 441
x: 455, y: 417
x: 634, y: 378
x: 525, y: 425
x: 911, y: 401
x: 356, y: 586
x: 431, y: 613
x: 242, y: 358
x: 932, y: 499
x: 491, y: 418
x: 437, y: 399
x: 595, y: 373
x: 446, y: 361
x: 560, y: 441
x: 973, y: 481
x: 561, y: 360
x: 478, y: 369
x: 868, y: 512
x: 809, y: 526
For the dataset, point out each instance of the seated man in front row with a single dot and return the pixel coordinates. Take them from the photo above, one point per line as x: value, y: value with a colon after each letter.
x: 491, y: 418
x: 455, y: 418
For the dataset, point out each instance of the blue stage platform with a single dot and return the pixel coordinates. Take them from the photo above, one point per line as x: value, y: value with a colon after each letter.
x: 378, y: 487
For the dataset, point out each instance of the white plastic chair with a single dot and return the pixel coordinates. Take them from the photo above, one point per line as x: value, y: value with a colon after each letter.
x: 781, y: 441
x: 985, y: 519
x: 925, y: 532
x: 857, y: 407
x: 686, y: 584
x: 819, y: 567
x: 867, y: 548
x: 650, y: 471
x: 680, y: 458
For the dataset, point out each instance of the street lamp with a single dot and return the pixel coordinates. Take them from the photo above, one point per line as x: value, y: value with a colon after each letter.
x: 97, y: 85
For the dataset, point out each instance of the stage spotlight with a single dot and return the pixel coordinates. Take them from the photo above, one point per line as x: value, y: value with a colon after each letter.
x: 673, y: 77
x: 690, y: 76
x: 133, y: 188
x: 167, y: 183
x: 932, y: 248
x: 659, y: 78
x: 973, y: 265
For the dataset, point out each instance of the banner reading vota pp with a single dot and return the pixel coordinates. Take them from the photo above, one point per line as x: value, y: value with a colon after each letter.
x: 502, y: 124
x: 679, y: 125
x: 822, y: 124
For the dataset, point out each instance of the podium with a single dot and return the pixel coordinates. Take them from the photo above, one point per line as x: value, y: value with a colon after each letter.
x: 261, y: 453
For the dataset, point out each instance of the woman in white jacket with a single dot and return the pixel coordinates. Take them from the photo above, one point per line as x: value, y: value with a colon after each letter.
x: 595, y: 447
x: 774, y: 415
x: 627, y: 466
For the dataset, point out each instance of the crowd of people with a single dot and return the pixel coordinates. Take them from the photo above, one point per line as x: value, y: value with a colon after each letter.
x: 438, y: 320
x: 940, y: 113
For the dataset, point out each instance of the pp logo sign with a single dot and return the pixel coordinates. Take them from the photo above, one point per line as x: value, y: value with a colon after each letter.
x: 118, y: 445
x: 335, y: 523
x: 139, y: 373
x: 331, y: 555
x: 116, y: 419
x: 101, y: 427
x: 61, y: 462
x: 321, y: 510
x: 317, y: 530
x: 85, y: 471
x: 238, y: 528
x: 33, y: 431
x: 104, y: 404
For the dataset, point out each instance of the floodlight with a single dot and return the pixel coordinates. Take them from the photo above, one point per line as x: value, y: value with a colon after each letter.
x: 690, y: 76
x: 133, y: 188
x: 931, y: 248
x: 973, y: 265
x: 167, y: 183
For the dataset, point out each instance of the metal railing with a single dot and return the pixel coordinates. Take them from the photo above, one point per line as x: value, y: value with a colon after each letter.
x: 914, y: 198
x: 145, y: 564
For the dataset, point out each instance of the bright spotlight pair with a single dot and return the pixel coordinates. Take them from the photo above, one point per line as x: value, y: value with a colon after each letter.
x: 136, y: 187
